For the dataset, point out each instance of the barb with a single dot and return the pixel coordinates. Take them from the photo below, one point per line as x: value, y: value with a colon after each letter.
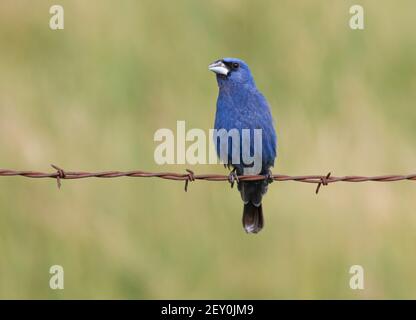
x: 61, y: 174
x: 324, y: 181
x: 191, y: 177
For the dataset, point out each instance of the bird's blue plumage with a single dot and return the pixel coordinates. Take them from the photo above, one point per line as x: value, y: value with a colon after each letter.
x: 240, y: 105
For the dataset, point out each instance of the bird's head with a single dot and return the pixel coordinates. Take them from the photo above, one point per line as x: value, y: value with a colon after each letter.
x: 231, y: 71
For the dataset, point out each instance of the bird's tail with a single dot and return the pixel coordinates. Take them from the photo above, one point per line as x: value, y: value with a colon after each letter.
x: 252, y: 218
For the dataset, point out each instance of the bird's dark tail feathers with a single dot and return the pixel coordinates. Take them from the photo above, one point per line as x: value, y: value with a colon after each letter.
x: 252, y: 218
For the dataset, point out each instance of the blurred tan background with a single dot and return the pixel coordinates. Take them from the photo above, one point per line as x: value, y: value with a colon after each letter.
x: 91, y: 96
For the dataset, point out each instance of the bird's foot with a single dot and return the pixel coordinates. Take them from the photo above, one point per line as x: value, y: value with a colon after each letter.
x: 233, y: 177
x: 269, y: 176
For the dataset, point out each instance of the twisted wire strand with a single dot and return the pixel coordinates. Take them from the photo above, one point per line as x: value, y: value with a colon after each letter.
x: 60, y: 174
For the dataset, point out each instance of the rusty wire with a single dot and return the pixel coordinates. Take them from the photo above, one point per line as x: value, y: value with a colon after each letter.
x: 61, y: 174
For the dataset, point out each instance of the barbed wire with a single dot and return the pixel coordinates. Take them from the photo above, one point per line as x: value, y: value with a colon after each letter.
x: 61, y: 174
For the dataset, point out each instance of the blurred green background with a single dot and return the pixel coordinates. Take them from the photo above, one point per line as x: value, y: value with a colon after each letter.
x: 91, y: 96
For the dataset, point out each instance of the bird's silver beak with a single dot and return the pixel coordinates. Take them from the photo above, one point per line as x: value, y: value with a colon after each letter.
x: 219, y: 68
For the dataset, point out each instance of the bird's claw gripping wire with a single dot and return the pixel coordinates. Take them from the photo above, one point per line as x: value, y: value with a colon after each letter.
x: 324, y: 181
x: 189, y: 177
x: 233, y: 177
x: 60, y: 174
x: 269, y: 177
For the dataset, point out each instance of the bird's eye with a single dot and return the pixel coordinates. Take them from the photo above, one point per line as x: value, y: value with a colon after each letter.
x: 235, y: 65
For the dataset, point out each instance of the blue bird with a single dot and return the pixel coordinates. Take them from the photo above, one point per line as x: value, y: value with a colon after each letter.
x: 240, y: 105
